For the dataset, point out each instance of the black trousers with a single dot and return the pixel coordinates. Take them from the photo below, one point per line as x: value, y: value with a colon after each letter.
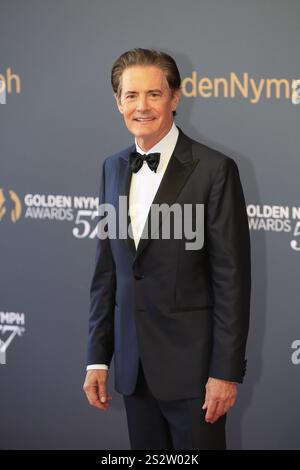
x: 174, y: 424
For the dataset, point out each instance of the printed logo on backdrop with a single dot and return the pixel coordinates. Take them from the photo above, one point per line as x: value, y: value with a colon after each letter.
x: 10, y: 205
x: 243, y: 86
x: 9, y: 83
x: 12, y: 326
x: 279, y: 219
x: 81, y: 210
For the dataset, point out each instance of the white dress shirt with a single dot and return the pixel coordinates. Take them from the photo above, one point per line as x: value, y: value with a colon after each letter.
x: 144, y: 185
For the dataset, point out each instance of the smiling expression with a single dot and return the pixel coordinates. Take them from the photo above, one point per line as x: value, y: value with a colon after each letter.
x: 147, y: 104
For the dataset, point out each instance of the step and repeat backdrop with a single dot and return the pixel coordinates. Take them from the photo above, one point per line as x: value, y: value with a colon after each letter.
x: 239, y: 63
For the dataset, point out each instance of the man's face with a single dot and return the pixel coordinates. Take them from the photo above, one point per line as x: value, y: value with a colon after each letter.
x: 147, y: 103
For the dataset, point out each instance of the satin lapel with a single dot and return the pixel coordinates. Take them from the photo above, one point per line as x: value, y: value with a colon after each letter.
x: 125, y: 175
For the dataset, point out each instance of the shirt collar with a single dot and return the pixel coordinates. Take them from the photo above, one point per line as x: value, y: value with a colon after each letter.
x: 169, y: 140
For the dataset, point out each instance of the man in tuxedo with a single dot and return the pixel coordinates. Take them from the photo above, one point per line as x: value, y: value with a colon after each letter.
x: 175, y: 316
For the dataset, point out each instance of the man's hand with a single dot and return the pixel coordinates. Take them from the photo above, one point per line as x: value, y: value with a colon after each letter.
x: 220, y: 396
x: 95, y: 387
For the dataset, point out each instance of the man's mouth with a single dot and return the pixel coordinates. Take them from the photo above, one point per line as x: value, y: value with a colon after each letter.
x: 144, y: 119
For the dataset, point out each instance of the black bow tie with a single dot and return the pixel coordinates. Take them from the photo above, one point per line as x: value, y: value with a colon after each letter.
x: 137, y: 160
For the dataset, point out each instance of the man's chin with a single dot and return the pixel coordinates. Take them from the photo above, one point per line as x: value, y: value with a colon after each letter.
x: 143, y: 133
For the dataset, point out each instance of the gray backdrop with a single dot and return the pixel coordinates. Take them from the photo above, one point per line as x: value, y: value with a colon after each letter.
x: 54, y: 136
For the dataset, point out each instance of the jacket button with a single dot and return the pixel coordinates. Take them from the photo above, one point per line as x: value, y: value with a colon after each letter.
x: 138, y: 277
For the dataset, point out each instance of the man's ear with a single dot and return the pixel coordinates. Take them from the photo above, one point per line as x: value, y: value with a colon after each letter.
x: 175, y: 99
x: 120, y: 107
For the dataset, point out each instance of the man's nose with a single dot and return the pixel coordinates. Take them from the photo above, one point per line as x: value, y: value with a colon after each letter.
x: 142, y: 103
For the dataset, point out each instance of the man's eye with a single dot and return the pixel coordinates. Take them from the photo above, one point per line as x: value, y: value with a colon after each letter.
x: 156, y: 95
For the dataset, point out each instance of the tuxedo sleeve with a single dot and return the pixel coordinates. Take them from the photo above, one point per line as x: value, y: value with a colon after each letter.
x: 228, y: 241
x: 102, y: 299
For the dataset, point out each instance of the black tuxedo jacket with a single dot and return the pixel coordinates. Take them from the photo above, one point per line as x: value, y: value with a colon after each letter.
x: 183, y: 313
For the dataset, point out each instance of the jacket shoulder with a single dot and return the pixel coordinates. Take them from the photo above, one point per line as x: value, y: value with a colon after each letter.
x: 210, y: 156
x: 111, y: 160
